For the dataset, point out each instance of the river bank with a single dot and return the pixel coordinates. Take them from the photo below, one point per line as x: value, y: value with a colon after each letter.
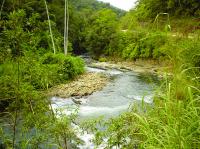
x: 91, y: 82
x: 139, y: 66
x: 123, y: 90
x: 84, y: 85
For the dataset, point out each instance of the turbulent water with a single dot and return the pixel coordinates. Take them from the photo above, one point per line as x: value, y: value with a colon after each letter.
x: 124, y: 89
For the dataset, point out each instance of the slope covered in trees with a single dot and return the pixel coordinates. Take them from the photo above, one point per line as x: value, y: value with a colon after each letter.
x: 160, y: 30
x: 183, y: 8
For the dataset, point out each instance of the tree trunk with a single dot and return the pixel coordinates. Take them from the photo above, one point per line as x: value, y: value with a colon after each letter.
x: 66, y: 27
x: 52, y: 40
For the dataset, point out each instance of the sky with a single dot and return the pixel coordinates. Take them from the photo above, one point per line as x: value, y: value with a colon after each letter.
x: 122, y: 4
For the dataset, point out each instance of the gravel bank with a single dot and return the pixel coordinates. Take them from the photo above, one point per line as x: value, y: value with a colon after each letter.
x: 84, y: 85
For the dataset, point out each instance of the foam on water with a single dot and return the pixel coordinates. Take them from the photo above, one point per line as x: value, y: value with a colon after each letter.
x: 96, y: 70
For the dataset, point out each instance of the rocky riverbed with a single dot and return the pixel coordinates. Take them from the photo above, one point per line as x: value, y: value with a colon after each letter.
x: 84, y: 85
x: 91, y: 82
x: 113, y: 91
x: 139, y: 67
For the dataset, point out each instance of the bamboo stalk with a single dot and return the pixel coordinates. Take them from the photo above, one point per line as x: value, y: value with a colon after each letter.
x: 50, y: 30
x: 66, y: 27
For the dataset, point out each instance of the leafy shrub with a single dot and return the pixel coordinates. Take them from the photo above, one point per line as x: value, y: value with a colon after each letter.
x: 73, y: 66
x: 117, y: 44
x: 127, y: 51
x: 49, y: 71
x: 51, y: 58
x: 152, y: 44
x: 145, y: 53
x: 8, y: 80
x: 130, y: 44
x: 68, y: 66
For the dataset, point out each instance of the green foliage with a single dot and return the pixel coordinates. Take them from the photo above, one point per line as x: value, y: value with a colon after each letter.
x: 94, y: 5
x: 161, y: 127
x: 21, y: 82
x: 73, y: 67
x: 191, y: 53
x: 22, y: 34
x: 129, y: 21
x: 68, y: 67
x: 134, y: 45
x: 52, y: 70
x: 150, y: 8
x: 124, y: 43
x: 152, y: 44
x: 173, y: 121
x: 126, y: 53
x: 135, y: 53
x: 27, y: 69
x: 8, y: 81
x: 100, y: 31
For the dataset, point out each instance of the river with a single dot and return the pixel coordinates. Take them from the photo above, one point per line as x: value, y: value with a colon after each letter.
x: 124, y: 89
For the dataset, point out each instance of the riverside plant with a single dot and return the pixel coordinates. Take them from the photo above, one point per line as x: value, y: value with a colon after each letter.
x: 172, y: 123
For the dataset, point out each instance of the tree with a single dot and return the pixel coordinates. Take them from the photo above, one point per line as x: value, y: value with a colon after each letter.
x: 150, y: 8
x: 99, y: 33
x: 66, y: 27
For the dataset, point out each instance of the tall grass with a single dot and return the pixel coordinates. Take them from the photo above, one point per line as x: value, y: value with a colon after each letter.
x: 172, y: 123
x: 174, y: 120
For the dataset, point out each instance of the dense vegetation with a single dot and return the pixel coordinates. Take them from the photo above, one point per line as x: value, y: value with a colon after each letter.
x: 28, y: 68
x: 156, y: 29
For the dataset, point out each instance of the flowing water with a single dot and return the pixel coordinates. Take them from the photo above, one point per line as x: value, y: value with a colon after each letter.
x: 124, y: 89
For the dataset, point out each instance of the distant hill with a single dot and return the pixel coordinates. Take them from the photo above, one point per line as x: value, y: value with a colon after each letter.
x: 95, y: 5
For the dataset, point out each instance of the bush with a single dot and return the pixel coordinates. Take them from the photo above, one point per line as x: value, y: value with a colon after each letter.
x: 138, y: 44
x: 72, y: 67
x: 126, y: 52
x: 41, y: 74
x: 135, y: 53
x: 68, y: 66
x: 51, y: 58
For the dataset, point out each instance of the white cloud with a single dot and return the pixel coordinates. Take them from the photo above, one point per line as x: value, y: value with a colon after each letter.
x: 123, y: 4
